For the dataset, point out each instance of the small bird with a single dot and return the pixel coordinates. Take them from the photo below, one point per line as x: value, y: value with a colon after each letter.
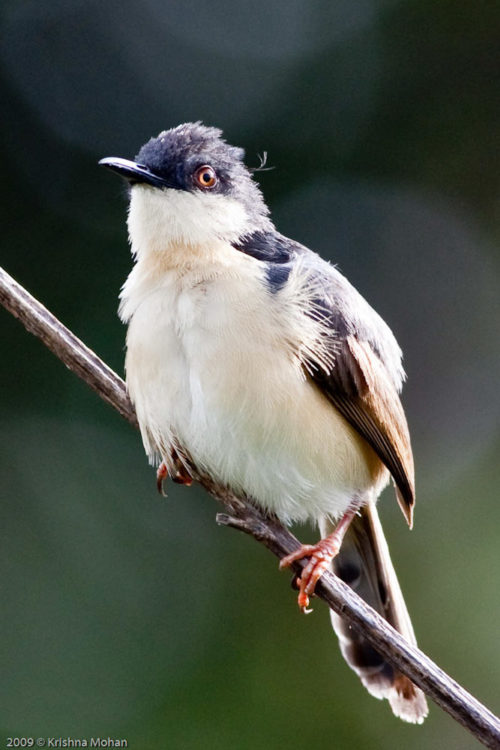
x: 255, y: 361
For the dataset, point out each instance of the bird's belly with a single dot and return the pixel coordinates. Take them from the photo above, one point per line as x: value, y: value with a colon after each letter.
x: 219, y: 384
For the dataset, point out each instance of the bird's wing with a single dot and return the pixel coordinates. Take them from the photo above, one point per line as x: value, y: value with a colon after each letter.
x: 364, y: 375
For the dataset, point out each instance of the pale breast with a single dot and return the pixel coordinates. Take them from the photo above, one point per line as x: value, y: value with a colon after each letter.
x: 212, y: 365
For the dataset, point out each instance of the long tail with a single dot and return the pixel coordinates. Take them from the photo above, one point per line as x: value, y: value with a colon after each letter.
x: 365, y: 564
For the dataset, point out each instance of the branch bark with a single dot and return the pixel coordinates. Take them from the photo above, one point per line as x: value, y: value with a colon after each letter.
x: 241, y: 514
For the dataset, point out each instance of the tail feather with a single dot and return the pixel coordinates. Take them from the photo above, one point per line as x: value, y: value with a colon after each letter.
x: 365, y: 565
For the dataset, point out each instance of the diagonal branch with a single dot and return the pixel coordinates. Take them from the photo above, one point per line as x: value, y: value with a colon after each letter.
x: 241, y: 514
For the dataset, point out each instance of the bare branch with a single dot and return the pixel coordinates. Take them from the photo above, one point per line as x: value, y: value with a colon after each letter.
x: 65, y: 345
x: 242, y: 515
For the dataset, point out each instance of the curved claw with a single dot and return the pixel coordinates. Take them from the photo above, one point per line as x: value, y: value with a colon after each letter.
x: 161, y: 475
x: 303, y: 600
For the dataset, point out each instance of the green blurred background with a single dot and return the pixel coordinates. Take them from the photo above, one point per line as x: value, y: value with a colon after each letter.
x: 129, y: 615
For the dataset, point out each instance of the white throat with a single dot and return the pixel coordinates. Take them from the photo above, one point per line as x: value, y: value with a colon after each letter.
x: 161, y: 221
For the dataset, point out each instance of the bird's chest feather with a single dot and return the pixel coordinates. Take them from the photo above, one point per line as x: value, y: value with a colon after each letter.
x: 214, y: 368
x: 207, y: 357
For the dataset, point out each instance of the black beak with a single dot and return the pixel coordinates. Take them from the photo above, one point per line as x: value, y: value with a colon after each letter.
x: 133, y: 172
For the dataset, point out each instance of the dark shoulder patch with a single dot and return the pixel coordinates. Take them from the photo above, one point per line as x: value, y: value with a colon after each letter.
x: 267, y: 246
x: 277, y: 275
x: 275, y: 250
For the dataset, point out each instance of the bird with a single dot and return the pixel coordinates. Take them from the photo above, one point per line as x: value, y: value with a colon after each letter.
x: 254, y: 361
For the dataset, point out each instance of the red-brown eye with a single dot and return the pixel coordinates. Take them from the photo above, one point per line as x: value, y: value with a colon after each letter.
x: 205, y: 177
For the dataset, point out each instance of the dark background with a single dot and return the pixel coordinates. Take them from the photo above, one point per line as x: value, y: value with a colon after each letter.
x: 128, y: 615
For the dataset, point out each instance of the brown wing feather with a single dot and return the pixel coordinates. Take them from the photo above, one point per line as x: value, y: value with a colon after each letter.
x: 362, y: 391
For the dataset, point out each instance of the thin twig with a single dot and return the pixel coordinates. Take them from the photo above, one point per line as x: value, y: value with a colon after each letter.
x: 65, y: 345
x: 241, y: 514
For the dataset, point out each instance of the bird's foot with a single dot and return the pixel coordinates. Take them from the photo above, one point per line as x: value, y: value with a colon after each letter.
x: 321, y: 555
x: 180, y: 474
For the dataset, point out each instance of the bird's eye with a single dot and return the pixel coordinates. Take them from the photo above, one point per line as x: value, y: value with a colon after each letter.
x: 205, y: 177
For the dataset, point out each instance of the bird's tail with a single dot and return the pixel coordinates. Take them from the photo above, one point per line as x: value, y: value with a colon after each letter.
x: 365, y: 565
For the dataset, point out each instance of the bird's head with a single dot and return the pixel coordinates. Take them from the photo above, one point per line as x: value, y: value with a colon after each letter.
x: 189, y: 188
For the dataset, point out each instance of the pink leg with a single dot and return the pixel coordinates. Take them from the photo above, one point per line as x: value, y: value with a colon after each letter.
x: 321, y: 555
